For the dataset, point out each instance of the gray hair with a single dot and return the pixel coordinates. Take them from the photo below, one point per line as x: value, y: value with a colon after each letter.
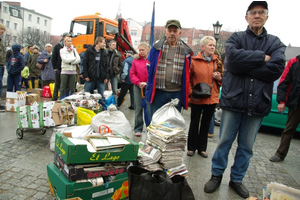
x: 205, y: 40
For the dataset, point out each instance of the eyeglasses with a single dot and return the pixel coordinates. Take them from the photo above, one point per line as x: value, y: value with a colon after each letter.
x: 259, y: 12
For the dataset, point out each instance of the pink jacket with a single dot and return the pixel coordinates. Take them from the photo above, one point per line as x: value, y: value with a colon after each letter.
x: 138, y: 72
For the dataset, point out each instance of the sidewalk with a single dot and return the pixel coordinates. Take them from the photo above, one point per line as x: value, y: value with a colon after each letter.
x: 23, y: 163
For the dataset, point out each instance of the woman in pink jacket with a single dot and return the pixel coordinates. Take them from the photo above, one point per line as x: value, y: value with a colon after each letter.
x: 139, y: 77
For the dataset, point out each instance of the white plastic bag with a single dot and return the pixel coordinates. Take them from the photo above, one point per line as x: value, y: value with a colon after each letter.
x: 169, y: 114
x: 114, y: 119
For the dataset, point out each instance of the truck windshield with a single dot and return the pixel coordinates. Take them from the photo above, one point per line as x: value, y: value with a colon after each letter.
x: 111, y: 29
x: 82, y: 28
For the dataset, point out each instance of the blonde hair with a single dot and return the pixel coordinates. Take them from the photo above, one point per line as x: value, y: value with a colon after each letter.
x: 205, y: 40
x: 142, y: 44
x: 67, y: 38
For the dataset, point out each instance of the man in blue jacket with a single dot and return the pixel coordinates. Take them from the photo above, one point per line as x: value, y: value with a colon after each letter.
x: 254, y: 60
x: 168, y: 69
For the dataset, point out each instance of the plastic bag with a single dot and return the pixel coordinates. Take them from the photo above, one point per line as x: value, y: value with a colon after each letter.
x: 84, y: 116
x: 46, y: 92
x: 52, y: 85
x: 169, y: 114
x: 110, y: 100
x: 112, y: 118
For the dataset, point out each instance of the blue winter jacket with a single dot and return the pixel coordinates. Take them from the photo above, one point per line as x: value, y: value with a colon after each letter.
x: 247, y: 84
x: 153, y: 59
x: 16, y: 62
x: 47, y: 74
x: 127, y: 63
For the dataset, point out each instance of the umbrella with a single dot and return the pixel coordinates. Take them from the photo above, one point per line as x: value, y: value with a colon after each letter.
x: 145, y: 106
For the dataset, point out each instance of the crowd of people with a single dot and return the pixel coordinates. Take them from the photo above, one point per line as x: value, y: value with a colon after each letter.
x: 254, y: 59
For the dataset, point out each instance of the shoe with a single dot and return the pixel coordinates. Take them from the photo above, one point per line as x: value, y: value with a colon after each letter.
x: 138, y: 134
x: 2, y: 108
x: 210, y: 135
x: 276, y: 158
x: 239, y: 188
x: 54, y: 99
x: 190, y: 153
x: 213, y: 184
x: 131, y: 107
x: 203, y: 154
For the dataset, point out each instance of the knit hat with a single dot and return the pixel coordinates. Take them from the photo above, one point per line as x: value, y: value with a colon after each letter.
x: 48, y: 45
x: 35, y: 47
x: 2, y: 26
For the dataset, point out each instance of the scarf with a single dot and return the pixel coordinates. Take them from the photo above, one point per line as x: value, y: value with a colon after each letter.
x: 178, y: 65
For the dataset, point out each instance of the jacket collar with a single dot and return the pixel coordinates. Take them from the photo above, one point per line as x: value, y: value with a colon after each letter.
x: 263, y: 33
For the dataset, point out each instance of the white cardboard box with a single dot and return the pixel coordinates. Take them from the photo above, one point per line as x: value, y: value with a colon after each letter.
x: 14, y: 100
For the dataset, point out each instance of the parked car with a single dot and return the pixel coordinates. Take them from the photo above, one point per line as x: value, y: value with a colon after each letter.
x: 274, y: 119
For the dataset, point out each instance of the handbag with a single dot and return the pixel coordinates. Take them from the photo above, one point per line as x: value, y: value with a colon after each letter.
x: 148, y: 185
x: 201, y: 91
x: 40, y: 66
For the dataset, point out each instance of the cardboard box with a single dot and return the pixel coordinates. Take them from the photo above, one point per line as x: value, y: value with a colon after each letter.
x: 63, y: 189
x: 75, y: 172
x: 38, y: 91
x: 31, y: 98
x: 54, y: 113
x: 14, y: 100
x: 28, y: 116
x: 22, y: 117
x: 78, y: 153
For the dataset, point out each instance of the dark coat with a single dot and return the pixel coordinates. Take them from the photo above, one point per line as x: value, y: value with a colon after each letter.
x: 124, y: 73
x: 247, y: 84
x: 56, y: 59
x: 16, y: 63
x: 48, y: 72
x: 288, y: 89
x: 115, y: 66
x: 31, y: 63
x: 89, y: 64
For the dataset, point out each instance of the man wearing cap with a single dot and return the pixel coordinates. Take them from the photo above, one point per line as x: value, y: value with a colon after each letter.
x: 2, y: 59
x: 254, y: 60
x: 168, y: 69
x: 56, y: 63
x: 126, y: 82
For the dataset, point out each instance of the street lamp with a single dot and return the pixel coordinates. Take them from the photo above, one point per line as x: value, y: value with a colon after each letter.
x: 217, y: 27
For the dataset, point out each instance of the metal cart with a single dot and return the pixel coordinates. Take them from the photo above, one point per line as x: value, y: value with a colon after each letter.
x: 20, y: 131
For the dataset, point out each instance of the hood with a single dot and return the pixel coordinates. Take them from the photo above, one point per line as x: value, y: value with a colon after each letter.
x: 16, y: 49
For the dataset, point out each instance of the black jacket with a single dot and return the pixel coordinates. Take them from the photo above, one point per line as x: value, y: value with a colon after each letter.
x: 89, y: 64
x: 247, y: 84
x: 288, y: 89
x: 56, y: 59
x: 115, y: 67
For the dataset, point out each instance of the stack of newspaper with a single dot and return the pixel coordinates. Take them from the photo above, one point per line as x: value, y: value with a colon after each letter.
x: 149, y: 156
x: 277, y: 191
x: 171, y: 141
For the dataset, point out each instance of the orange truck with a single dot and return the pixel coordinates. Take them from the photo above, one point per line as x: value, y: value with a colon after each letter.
x: 85, y: 29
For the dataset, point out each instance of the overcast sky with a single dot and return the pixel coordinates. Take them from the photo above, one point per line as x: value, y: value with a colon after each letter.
x: 283, y: 15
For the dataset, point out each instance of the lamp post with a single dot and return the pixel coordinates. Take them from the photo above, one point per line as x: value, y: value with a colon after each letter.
x: 217, y: 28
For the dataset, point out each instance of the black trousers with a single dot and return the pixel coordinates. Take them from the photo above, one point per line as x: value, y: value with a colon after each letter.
x: 57, y: 85
x: 197, y: 138
x: 124, y: 88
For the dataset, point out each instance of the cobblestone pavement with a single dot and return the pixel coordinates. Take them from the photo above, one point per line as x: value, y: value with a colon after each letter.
x: 23, y: 163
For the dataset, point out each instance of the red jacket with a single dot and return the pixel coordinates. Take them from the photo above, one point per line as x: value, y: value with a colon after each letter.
x: 138, y: 72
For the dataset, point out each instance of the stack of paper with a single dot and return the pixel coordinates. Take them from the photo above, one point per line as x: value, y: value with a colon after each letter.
x: 148, y: 156
x: 277, y: 191
x: 171, y: 141
x: 109, y: 142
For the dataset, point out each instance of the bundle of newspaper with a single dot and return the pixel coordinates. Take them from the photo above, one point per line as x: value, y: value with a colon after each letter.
x: 171, y: 141
x: 179, y: 170
x: 277, y: 191
x: 147, y: 154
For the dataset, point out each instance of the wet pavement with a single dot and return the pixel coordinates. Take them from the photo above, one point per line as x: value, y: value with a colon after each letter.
x: 23, y: 162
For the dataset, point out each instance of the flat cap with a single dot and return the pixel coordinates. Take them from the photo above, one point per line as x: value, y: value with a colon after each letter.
x: 173, y: 22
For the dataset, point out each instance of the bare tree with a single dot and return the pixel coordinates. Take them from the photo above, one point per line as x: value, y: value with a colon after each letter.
x: 35, y: 37
x: 7, y: 39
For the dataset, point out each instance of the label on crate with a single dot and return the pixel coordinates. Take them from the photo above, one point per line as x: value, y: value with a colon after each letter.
x: 102, y: 193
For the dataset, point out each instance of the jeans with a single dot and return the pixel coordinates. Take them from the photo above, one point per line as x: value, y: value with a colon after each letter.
x: 1, y: 78
x: 25, y: 81
x: 245, y: 128
x: 90, y: 85
x: 161, y: 98
x: 14, y: 83
x: 114, y: 86
x: 212, y: 125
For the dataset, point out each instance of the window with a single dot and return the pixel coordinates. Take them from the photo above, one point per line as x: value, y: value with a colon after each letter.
x: 29, y: 17
x: 5, y: 9
x: 201, y: 35
x: 38, y: 31
x: 7, y: 24
x: 148, y: 37
x: 128, y: 23
x: 15, y: 13
x: 185, y: 39
x: 45, y: 22
x: 2, y: 21
x: 37, y: 20
x: 45, y: 32
x: 28, y: 28
x: 15, y: 26
x: 135, y: 43
x: 133, y: 32
x: 14, y: 39
x: 83, y: 27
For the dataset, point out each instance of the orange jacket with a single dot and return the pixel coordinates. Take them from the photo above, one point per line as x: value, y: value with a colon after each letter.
x: 202, y: 72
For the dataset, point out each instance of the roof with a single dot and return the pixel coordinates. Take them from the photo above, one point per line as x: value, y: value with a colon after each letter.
x: 291, y: 52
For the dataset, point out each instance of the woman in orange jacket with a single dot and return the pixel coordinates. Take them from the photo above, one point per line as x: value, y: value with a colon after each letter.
x: 205, y: 68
